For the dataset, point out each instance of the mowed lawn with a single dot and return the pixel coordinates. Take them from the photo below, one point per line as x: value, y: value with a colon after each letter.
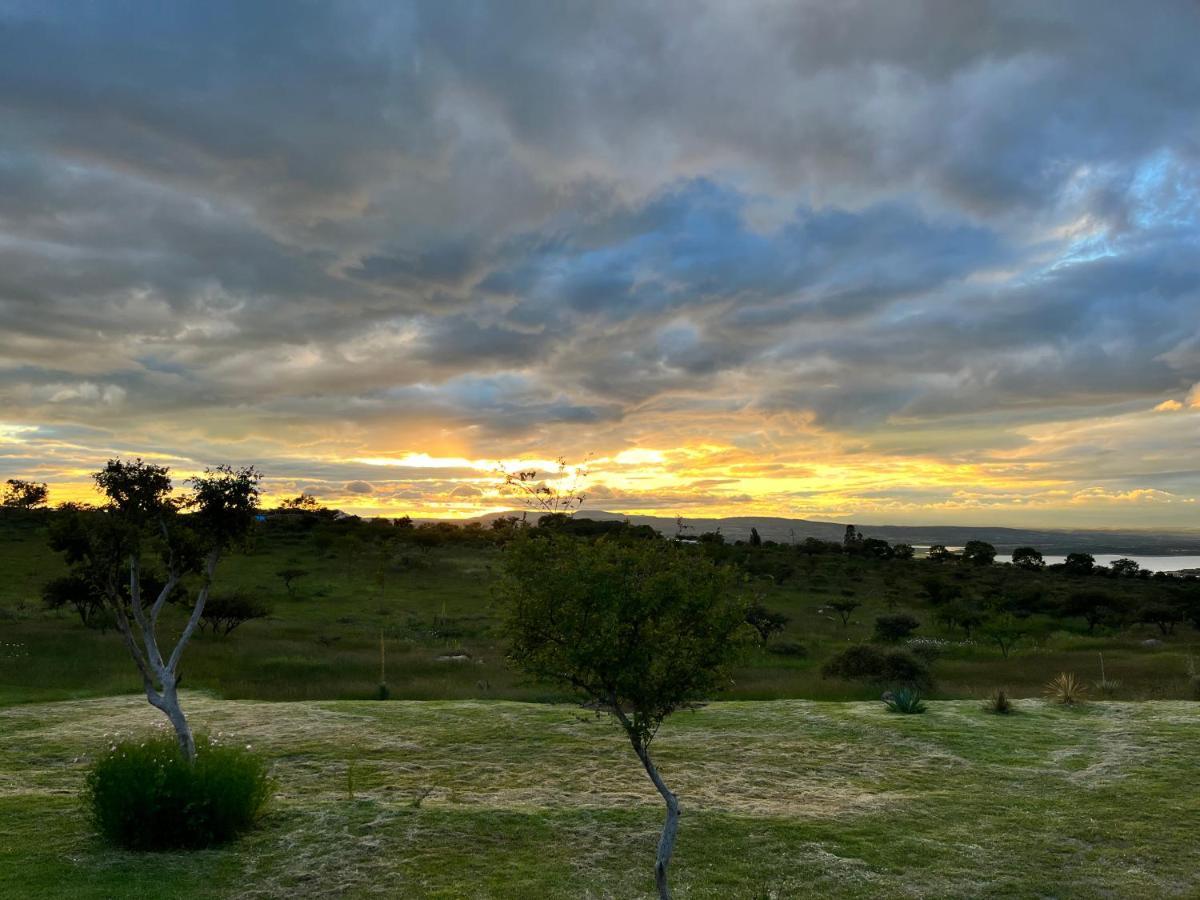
x: 501, y: 799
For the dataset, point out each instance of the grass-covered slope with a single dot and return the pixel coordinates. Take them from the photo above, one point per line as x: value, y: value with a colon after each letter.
x: 781, y: 799
x: 435, y: 609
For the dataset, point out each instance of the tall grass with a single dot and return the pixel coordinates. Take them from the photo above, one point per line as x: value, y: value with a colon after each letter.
x: 143, y: 794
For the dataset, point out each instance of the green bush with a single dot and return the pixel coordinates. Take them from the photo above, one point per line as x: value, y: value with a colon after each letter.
x: 865, y: 662
x: 893, y: 628
x: 143, y: 795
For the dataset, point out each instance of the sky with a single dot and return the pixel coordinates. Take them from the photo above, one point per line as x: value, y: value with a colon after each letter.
x: 911, y: 262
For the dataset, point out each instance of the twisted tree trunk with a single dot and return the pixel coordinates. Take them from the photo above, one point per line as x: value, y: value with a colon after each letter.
x: 167, y: 700
x: 666, y: 842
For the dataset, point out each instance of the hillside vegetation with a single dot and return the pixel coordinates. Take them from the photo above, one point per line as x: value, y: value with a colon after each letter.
x: 427, y: 594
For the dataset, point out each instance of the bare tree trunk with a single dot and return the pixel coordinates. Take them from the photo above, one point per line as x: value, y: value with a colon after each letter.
x: 167, y: 700
x: 666, y: 842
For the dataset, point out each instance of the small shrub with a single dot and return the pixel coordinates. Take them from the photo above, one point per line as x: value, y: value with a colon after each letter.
x: 904, y: 701
x: 794, y: 649
x: 891, y: 629
x: 1065, y: 688
x: 864, y: 662
x: 143, y: 795
x: 999, y: 703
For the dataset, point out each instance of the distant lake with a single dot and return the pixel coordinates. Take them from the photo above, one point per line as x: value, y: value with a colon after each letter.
x: 1153, y: 563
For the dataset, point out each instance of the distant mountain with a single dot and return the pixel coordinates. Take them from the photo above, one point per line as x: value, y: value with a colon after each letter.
x: 773, y: 528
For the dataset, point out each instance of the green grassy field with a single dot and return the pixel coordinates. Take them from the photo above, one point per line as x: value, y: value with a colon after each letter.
x: 500, y: 799
x: 472, y: 794
x: 324, y: 642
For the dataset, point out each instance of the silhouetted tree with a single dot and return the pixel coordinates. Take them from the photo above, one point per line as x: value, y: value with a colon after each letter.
x: 1125, y: 567
x: 20, y: 494
x: 852, y: 538
x: 1079, y: 563
x: 302, y: 503
x: 1028, y: 558
x: 561, y: 495
x: 979, y: 553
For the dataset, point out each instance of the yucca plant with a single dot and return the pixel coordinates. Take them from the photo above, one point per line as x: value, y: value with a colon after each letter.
x: 1065, y: 688
x: 905, y: 701
x: 999, y: 702
x: 1107, y: 686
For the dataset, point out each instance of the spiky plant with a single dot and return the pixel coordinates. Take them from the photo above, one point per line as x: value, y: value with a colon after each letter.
x: 904, y: 701
x: 1065, y: 688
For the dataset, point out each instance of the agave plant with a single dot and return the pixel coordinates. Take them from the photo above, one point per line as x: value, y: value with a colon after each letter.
x: 905, y: 701
x: 1066, y: 688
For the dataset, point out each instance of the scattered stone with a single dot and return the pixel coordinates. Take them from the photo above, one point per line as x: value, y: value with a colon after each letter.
x: 1152, y: 643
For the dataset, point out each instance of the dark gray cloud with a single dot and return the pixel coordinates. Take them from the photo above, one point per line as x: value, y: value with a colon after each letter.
x: 491, y: 225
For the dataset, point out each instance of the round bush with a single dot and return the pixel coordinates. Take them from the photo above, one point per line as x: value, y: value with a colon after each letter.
x: 895, y: 627
x: 865, y: 662
x: 143, y: 795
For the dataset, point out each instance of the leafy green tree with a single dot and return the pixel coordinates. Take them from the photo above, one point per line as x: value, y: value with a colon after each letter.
x: 1028, y: 558
x: 1005, y: 631
x: 844, y: 608
x: 289, y: 575
x: 1096, y: 608
x: 225, y: 612
x: 638, y: 629
x: 939, y: 553
x: 1163, y: 615
x: 766, y: 622
x: 77, y: 593
x: 108, y: 548
x: 958, y: 613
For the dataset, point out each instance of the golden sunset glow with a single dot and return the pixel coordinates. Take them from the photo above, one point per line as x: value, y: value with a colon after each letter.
x: 883, y: 285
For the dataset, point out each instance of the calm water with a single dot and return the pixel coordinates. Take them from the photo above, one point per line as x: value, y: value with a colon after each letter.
x: 1153, y: 563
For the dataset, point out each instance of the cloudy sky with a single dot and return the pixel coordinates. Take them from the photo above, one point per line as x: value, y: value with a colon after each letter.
x: 891, y: 262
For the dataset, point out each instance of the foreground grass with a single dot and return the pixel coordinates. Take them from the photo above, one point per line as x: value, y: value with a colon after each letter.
x: 500, y: 799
